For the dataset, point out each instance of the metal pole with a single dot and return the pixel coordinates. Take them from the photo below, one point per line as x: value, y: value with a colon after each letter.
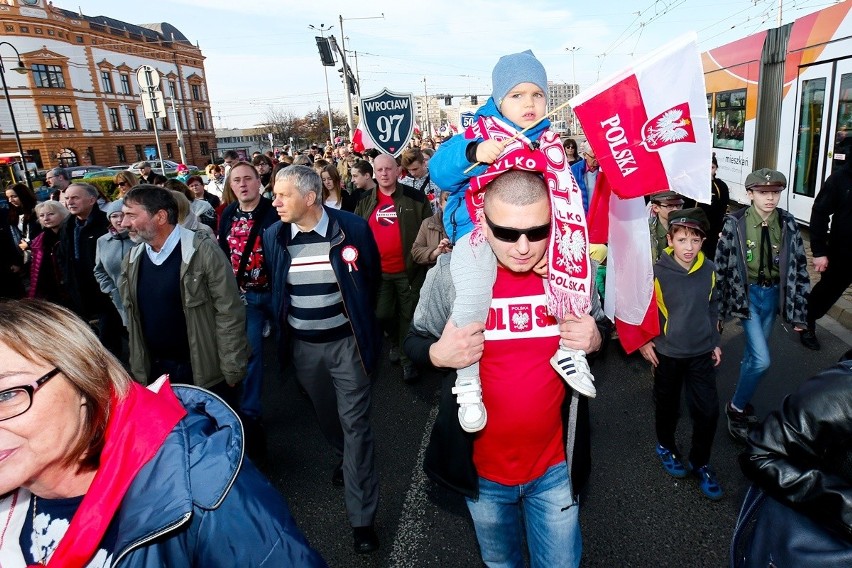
x: 12, y: 116
x: 178, y: 132
x: 328, y: 102
x: 151, y: 91
x: 426, y: 104
x: 349, y: 116
x: 573, y: 51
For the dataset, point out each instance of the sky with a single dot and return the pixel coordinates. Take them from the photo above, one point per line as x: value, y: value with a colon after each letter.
x: 262, y: 55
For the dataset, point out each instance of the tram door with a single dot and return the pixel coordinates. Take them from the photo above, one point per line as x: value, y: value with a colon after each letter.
x: 823, y: 133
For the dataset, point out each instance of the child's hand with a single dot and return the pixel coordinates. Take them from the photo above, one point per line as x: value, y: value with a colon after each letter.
x: 717, y: 356
x: 649, y: 354
x: 541, y: 267
x: 488, y: 150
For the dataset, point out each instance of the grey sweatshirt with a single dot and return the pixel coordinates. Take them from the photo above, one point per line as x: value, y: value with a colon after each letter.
x: 688, y: 302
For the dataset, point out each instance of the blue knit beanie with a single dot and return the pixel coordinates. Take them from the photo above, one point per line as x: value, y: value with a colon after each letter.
x: 514, y: 69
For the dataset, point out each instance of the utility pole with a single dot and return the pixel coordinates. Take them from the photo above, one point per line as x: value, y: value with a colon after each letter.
x: 346, y: 72
x: 426, y: 104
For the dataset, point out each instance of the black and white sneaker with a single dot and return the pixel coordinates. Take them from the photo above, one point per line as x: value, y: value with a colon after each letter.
x: 472, y: 415
x: 572, y: 366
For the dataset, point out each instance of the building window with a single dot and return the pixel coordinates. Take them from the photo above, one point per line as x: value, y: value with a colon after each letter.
x: 122, y: 157
x: 35, y: 156
x: 205, y: 149
x: 132, y: 121
x: 149, y: 124
x: 125, y: 84
x: 10, y: 28
x: 140, y: 153
x: 106, y: 81
x: 172, y: 90
x: 25, y: 30
x: 49, y: 76
x: 50, y: 32
x: 169, y: 150
x: 39, y: 31
x: 91, y: 153
x: 57, y: 117
x: 196, y: 92
x: 165, y: 123
x: 199, y: 120
x: 80, y: 39
x: 67, y: 158
x: 114, y: 119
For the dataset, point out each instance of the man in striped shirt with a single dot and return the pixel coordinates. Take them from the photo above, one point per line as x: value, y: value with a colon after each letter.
x: 325, y: 272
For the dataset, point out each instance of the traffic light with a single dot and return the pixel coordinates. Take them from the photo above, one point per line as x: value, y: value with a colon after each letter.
x: 448, y: 100
x: 326, y: 56
x: 474, y: 100
x: 353, y: 85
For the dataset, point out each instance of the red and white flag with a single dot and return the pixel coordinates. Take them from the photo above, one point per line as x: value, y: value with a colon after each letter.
x: 648, y: 125
x: 649, y: 129
x: 360, y: 140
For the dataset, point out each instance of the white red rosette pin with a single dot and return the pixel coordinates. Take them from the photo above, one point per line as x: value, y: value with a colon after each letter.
x: 350, y: 256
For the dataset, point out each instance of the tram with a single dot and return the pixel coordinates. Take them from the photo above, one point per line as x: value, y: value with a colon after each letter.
x: 782, y: 99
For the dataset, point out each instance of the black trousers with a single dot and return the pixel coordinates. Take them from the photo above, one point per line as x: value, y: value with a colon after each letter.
x: 699, y: 376
x: 832, y: 283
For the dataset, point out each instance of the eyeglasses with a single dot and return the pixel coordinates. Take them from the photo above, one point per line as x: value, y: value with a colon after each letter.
x: 511, y: 235
x: 670, y: 205
x: 121, y: 183
x: 17, y: 400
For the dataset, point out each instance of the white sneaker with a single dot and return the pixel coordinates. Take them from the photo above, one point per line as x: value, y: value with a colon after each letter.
x: 472, y: 415
x: 572, y: 366
x: 267, y: 328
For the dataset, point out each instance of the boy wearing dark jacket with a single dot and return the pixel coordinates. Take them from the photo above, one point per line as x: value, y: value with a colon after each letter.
x: 687, y: 350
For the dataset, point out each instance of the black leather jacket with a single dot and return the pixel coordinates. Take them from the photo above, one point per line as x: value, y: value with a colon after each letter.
x: 802, y: 454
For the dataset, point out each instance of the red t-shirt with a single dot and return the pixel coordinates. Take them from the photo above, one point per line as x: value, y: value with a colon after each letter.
x: 385, y: 227
x: 522, y: 393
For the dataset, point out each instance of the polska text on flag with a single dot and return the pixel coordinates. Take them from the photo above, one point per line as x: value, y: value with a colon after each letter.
x: 648, y: 124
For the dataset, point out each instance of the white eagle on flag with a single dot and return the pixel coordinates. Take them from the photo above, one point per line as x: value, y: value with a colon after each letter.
x: 521, y: 320
x: 673, y: 125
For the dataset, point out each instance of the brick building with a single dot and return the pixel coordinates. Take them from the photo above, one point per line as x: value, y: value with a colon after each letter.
x: 80, y: 102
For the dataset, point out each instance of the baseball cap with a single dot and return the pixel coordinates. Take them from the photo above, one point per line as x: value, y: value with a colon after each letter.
x: 766, y: 179
x: 694, y: 217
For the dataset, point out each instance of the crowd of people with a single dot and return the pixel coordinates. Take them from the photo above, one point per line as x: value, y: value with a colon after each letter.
x: 435, y: 260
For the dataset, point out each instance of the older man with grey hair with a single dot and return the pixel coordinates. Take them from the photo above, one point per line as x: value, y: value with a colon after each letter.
x: 78, y: 238
x: 325, y: 271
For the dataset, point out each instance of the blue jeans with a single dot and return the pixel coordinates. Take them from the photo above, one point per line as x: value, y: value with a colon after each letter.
x: 258, y: 310
x: 544, y: 509
x: 763, y: 308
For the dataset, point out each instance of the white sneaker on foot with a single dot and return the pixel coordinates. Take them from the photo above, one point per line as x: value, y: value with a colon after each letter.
x: 472, y: 415
x: 572, y: 366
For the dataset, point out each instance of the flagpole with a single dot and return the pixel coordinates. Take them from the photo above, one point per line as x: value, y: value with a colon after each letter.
x: 533, y: 125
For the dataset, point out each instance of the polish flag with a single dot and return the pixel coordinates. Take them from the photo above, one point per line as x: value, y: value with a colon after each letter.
x: 650, y: 132
x: 360, y: 140
x: 648, y: 124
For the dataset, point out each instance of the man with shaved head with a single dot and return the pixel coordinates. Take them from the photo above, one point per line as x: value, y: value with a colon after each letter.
x: 395, y: 213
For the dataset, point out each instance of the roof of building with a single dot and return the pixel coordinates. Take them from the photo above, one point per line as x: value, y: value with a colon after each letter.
x: 162, y: 31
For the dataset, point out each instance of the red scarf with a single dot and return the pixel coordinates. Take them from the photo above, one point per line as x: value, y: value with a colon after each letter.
x: 138, y: 426
x: 569, y: 271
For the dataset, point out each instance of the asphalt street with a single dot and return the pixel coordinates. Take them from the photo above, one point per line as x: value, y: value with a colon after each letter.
x: 632, y: 513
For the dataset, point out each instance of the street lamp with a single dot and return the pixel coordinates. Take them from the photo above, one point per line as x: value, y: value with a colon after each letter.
x: 573, y: 50
x: 20, y: 68
x: 322, y: 29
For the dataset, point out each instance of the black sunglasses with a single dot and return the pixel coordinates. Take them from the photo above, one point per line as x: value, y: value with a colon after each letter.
x: 511, y: 235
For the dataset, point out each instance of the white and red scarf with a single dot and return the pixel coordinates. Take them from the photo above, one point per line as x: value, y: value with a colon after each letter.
x: 569, y: 271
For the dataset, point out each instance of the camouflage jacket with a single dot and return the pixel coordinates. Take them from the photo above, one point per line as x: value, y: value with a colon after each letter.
x: 732, y: 280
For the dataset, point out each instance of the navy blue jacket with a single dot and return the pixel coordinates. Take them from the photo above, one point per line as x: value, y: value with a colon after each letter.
x: 198, y: 503
x: 264, y: 211
x: 358, y: 285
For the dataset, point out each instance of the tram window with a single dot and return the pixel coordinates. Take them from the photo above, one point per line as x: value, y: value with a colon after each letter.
x: 729, y: 120
x: 809, y: 134
x: 843, y: 128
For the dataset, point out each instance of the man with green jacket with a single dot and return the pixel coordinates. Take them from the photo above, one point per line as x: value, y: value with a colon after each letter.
x: 185, y: 315
x: 395, y: 213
